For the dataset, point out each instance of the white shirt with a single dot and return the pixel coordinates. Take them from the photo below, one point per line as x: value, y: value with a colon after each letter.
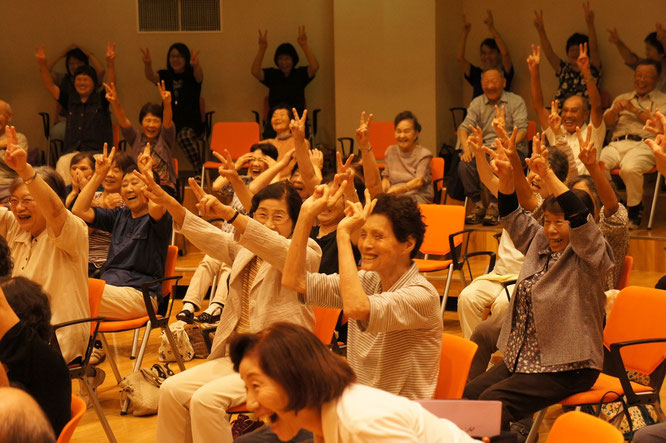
x: 365, y: 414
x: 568, y: 143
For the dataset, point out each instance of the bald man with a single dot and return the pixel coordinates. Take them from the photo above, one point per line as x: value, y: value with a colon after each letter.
x: 21, y: 418
x: 6, y: 173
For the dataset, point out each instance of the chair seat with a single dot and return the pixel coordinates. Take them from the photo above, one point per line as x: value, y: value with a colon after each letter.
x: 212, y: 165
x: 124, y: 325
x: 604, y: 384
x: 432, y: 265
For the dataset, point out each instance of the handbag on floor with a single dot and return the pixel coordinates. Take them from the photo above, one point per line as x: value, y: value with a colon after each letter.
x: 142, y: 389
x: 183, y: 344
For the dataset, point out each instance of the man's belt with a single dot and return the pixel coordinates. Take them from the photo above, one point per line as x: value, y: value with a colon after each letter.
x: 633, y: 137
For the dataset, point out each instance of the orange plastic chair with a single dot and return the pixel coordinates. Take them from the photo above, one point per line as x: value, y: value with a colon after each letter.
x: 531, y: 130
x: 4, y: 381
x: 657, y: 185
x: 627, y: 266
x: 437, y: 171
x: 235, y: 137
x: 382, y: 135
x: 636, y: 338
x: 454, y: 363
x: 444, y: 233
x: 78, y: 409
x: 325, y: 321
x: 578, y: 427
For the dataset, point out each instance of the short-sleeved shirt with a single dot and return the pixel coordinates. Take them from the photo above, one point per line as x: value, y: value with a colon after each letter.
x: 138, y: 249
x: 329, y: 251
x: 160, y: 151
x: 572, y: 82
x: 402, y: 167
x: 289, y: 90
x: 40, y: 370
x: 628, y: 122
x: 88, y: 123
x: 474, y: 79
x: 185, y: 98
x: 481, y: 112
x: 60, y: 265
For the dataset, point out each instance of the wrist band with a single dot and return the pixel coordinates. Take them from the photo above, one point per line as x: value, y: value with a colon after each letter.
x: 368, y: 149
x: 31, y: 179
x: 231, y: 220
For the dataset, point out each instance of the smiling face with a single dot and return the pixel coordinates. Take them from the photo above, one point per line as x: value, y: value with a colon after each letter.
x: 84, y: 85
x: 151, y: 125
x: 490, y: 56
x: 267, y: 399
x: 492, y: 84
x: 297, y: 182
x: 556, y: 229
x: 574, y: 113
x: 257, y: 164
x: 536, y: 184
x: 380, y: 249
x: 645, y: 79
x: 406, y: 135
x: 131, y: 191
x: 82, y: 166
x: 26, y: 212
x: 274, y: 214
x: 285, y: 63
x: 113, y: 180
x: 280, y: 120
x: 176, y: 60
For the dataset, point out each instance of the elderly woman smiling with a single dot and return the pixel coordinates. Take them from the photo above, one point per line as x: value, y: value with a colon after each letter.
x: 295, y: 382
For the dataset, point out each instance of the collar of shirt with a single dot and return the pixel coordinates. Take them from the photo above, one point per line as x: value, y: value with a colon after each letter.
x: 503, y: 99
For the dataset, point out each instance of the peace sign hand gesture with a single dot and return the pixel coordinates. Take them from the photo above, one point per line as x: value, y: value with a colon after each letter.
x: 500, y: 117
x: 103, y: 163
x: 228, y: 167
x: 145, y: 161
x: 554, y: 119
x: 15, y: 157
x: 145, y: 56
x: 164, y: 94
x: 194, y: 59
x: 539, y: 161
x: 534, y: 60
x: 110, y: 52
x: 263, y: 40
x: 583, y: 61
x: 209, y: 205
x: 356, y: 215
x: 363, y: 131
x: 297, y: 125
x: 302, y: 38
x: 111, y: 94
x: 588, y: 152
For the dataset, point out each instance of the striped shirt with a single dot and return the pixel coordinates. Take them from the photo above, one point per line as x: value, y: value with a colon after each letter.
x: 397, y: 349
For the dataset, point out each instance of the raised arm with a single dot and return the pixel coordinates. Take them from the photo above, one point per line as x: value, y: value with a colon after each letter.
x: 145, y: 163
x: 302, y: 152
x: 371, y: 175
x: 561, y: 142
x: 553, y: 59
x: 630, y: 58
x: 488, y: 178
x: 465, y: 65
x: 167, y: 113
x: 269, y: 175
x: 111, y: 61
x: 507, y: 64
x: 47, y: 79
x: 522, y: 188
x: 595, y: 57
x: 533, y: 63
x: 588, y: 156
x: 596, y: 110
x: 313, y: 64
x: 83, y: 205
x: 118, y: 110
x: 151, y: 75
x: 229, y: 172
x: 45, y: 198
x: 259, y: 58
x: 196, y: 66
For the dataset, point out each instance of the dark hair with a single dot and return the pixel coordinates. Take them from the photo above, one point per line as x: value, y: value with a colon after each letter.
x: 652, y: 40
x: 650, y: 62
x: 150, y: 108
x: 558, y: 162
x: 405, y: 217
x: 30, y: 303
x: 83, y: 155
x: 125, y: 162
x: 407, y: 115
x: 286, y: 49
x: 576, y: 39
x: 266, y: 148
x: 279, y: 191
x: 586, y: 102
x: 283, y: 106
x: 589, y: 182
x: 359, y: 185
x: 182, y: 50
x: 499, y: 69
x: 490, y: 43
x: 86, y: 70
x: 50, y: 176
x: 77, y: 54
x: 551, y: 205
x: 130, y: 170
x: 6, y: 264
x: 296, y: 359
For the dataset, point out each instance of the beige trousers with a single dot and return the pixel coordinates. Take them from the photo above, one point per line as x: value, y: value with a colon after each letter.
x: 193, y: 403
x: 475, y: 298
x: 123, y: 303
x: 208, y: 269
x: 634, y: 159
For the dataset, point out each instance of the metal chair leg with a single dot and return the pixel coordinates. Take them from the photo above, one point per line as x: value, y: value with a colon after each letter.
x: 534, y: 432
x: 112, y: 357
x: 654, y: 200
x: 100, y: 413
x: 174, y: 348
x: 446, y: 289
x: 135, y: 343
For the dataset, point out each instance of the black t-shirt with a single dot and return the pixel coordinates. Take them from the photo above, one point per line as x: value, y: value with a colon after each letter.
x: 329, y: 251
x: 185, y: 98
x: 474, y: 79
x: 88, y: 124
x: 289, y: 90
x: 40, y: 370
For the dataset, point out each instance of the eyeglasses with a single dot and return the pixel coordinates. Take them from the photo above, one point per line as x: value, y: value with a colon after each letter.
x: 27, y: 201
x: 277, y: 218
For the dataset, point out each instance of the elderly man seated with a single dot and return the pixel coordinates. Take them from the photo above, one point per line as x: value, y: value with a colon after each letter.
x: 510, y: 110
x: 627, y: 149
x: 7, y: 174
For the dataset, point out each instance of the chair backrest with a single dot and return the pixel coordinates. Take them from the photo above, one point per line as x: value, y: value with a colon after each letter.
x: 479, y: 418
x: 325, y: 321
x: 531, y: 130
x: 579, y: 427
x: 78, y: 409
x: 95, y: 291
x: 116, y: 134
x: 4, y: 381
x: 235, y: 137
x: 627, y: 266
x: 169, y: 269
x: 638, y: 313
x: 441, y: 221
x: 454, y: 363
x: 437, y: 169
x: 381, y: 137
